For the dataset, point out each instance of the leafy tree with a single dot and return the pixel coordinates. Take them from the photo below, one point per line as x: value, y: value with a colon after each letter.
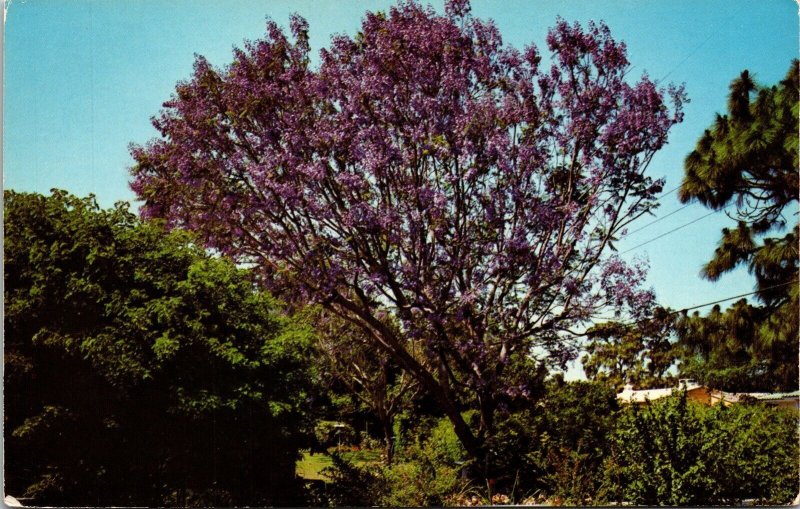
x: 641, y: 353
x: 726, y: 350
x: 678, y: 452
x: 747, y: 164
x: 138, y: 370
x: 425, y: 169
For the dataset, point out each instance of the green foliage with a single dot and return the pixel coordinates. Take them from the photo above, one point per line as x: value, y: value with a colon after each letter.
x: 656, y: 459
x: 333, y: 433
x: 640, y: 354
x: 678, y: 452
x: 123, y: 342
x: 349, y: 364
x: 577, y: 447
x: 352, y: 485
x: 427, y: 472
x: 556, y: 447
x: 748, y: 161
x: 138, y: 370
x: 512, y: 451
x: 751, y: 149
x: 573, y: 429
x: 735, y: 351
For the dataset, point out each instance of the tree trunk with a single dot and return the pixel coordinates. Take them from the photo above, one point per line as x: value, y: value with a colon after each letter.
x: 440, y: 390
x: 388, y: 439
x: 471, y: 444
x: 486, y: 405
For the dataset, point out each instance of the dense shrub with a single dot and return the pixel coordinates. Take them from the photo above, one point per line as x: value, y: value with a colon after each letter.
x: 577, y: 447
x: 678, y: 452
x: 428, y: 471
x: 575, y: 422
x: 557, y: 446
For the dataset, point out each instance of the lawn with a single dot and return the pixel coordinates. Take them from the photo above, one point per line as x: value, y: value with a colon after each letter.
x: 310, y: 466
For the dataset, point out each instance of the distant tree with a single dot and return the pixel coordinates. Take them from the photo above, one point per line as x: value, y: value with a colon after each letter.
x: 641, y: 353
x: 426, y: 170
x: 138, y: 370
x: 747, y: 164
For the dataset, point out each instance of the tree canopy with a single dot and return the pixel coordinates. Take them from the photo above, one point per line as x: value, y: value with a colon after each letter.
x: 641, y: 353
x: 747, y: 165
x: 424, y: 170
x: 139, y: 370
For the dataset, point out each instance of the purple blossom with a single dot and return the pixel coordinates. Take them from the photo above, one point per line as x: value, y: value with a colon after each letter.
x: 423, y: 169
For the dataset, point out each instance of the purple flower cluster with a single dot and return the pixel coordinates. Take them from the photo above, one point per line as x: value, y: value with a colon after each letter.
x: 423, y: 168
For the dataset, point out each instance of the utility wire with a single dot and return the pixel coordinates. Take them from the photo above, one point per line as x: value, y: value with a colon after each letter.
x: 691, y: 53
x: 687, y: 57
x: 669, y: 232
x: 702, y: 305
x: 657, y: 220
x: 670, y: 192
x: 712, y: 33
x: 734, y: 297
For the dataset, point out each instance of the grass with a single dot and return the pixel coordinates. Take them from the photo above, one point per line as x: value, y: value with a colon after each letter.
x: 310, y: 466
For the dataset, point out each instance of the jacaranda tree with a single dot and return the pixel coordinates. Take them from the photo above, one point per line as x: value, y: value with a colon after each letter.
x: 425, y: 170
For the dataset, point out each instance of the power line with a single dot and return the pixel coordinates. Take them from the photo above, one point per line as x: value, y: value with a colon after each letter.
x: 670, y: 192
x: 702, y: 43
x: 687, y: 57
x: 734, y: 297
x: 690, y: 308
x: 669, y: 232
x: 691, y: 53
x: 657, y: 220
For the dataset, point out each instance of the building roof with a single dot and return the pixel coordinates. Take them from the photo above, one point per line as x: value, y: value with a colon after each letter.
x: 630, y: 395
x: 735, y: 397
x: 633, y: 396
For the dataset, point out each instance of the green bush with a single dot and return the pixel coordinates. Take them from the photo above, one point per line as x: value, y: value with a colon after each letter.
x: 426, y: 472
x: 353, y: 485
x: 558, y: 446
x: 513, y: 455
x: 752, y: 452
x: 578, y: 418
x: 333, y: 433
x: 678, y: 452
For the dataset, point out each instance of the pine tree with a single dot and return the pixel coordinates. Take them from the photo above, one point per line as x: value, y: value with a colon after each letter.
x: 747, y: 165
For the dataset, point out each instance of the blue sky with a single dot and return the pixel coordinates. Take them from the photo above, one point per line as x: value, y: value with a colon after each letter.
x: 83, y: 77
